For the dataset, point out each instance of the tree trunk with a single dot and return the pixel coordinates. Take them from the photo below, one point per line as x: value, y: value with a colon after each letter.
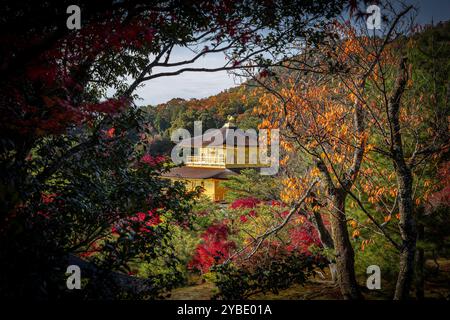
x: 345, y: 260
x: 404, y: 184
x: 333, y: 272
x: 324, y: 234
x: 327, y: 242
x: 345, y: 256
x: 420, y: 261
x: 407, y: 230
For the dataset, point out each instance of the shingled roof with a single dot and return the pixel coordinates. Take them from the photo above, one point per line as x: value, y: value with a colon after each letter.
x: 219, y: 137
x: 199, y: 173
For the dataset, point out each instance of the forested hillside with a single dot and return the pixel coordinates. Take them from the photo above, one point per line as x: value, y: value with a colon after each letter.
x: 212, y: 111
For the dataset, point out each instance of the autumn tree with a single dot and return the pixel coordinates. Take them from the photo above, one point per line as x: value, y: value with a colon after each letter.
x: 320, y: 103
x: 318, y: 119
x: 406, y: 129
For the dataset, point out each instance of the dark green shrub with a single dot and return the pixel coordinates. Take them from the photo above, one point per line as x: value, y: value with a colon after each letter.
x: 264, y: 273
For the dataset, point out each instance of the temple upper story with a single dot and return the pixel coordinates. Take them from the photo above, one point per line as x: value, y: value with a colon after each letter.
x: 215, y: 156
x: 227, y: 147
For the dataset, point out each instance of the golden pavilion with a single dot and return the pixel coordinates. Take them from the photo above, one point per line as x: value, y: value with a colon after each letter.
x: 215, y: 156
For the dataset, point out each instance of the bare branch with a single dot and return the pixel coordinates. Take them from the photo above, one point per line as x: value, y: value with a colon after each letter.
x: 274, y: 230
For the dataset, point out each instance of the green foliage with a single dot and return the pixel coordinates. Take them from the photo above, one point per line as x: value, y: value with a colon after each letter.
x: 206, y: 212
x: 212, y: 111
x: 249, y: 183
x: 436, y: 242
x: 179, y: 251
x: 381, y: 253
x: 72, y: 210
x: 263, y: 275
x: 172, y: 263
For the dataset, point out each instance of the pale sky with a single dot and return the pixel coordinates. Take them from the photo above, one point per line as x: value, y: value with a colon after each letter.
x: 189, y: 84
x: 204, y: 84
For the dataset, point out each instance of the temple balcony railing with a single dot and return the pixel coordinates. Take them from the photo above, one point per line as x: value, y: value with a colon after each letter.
x: 220, y: 161
x: 206, y: 160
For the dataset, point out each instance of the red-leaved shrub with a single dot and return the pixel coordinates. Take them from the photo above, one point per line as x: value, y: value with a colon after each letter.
x: 215, y: 248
